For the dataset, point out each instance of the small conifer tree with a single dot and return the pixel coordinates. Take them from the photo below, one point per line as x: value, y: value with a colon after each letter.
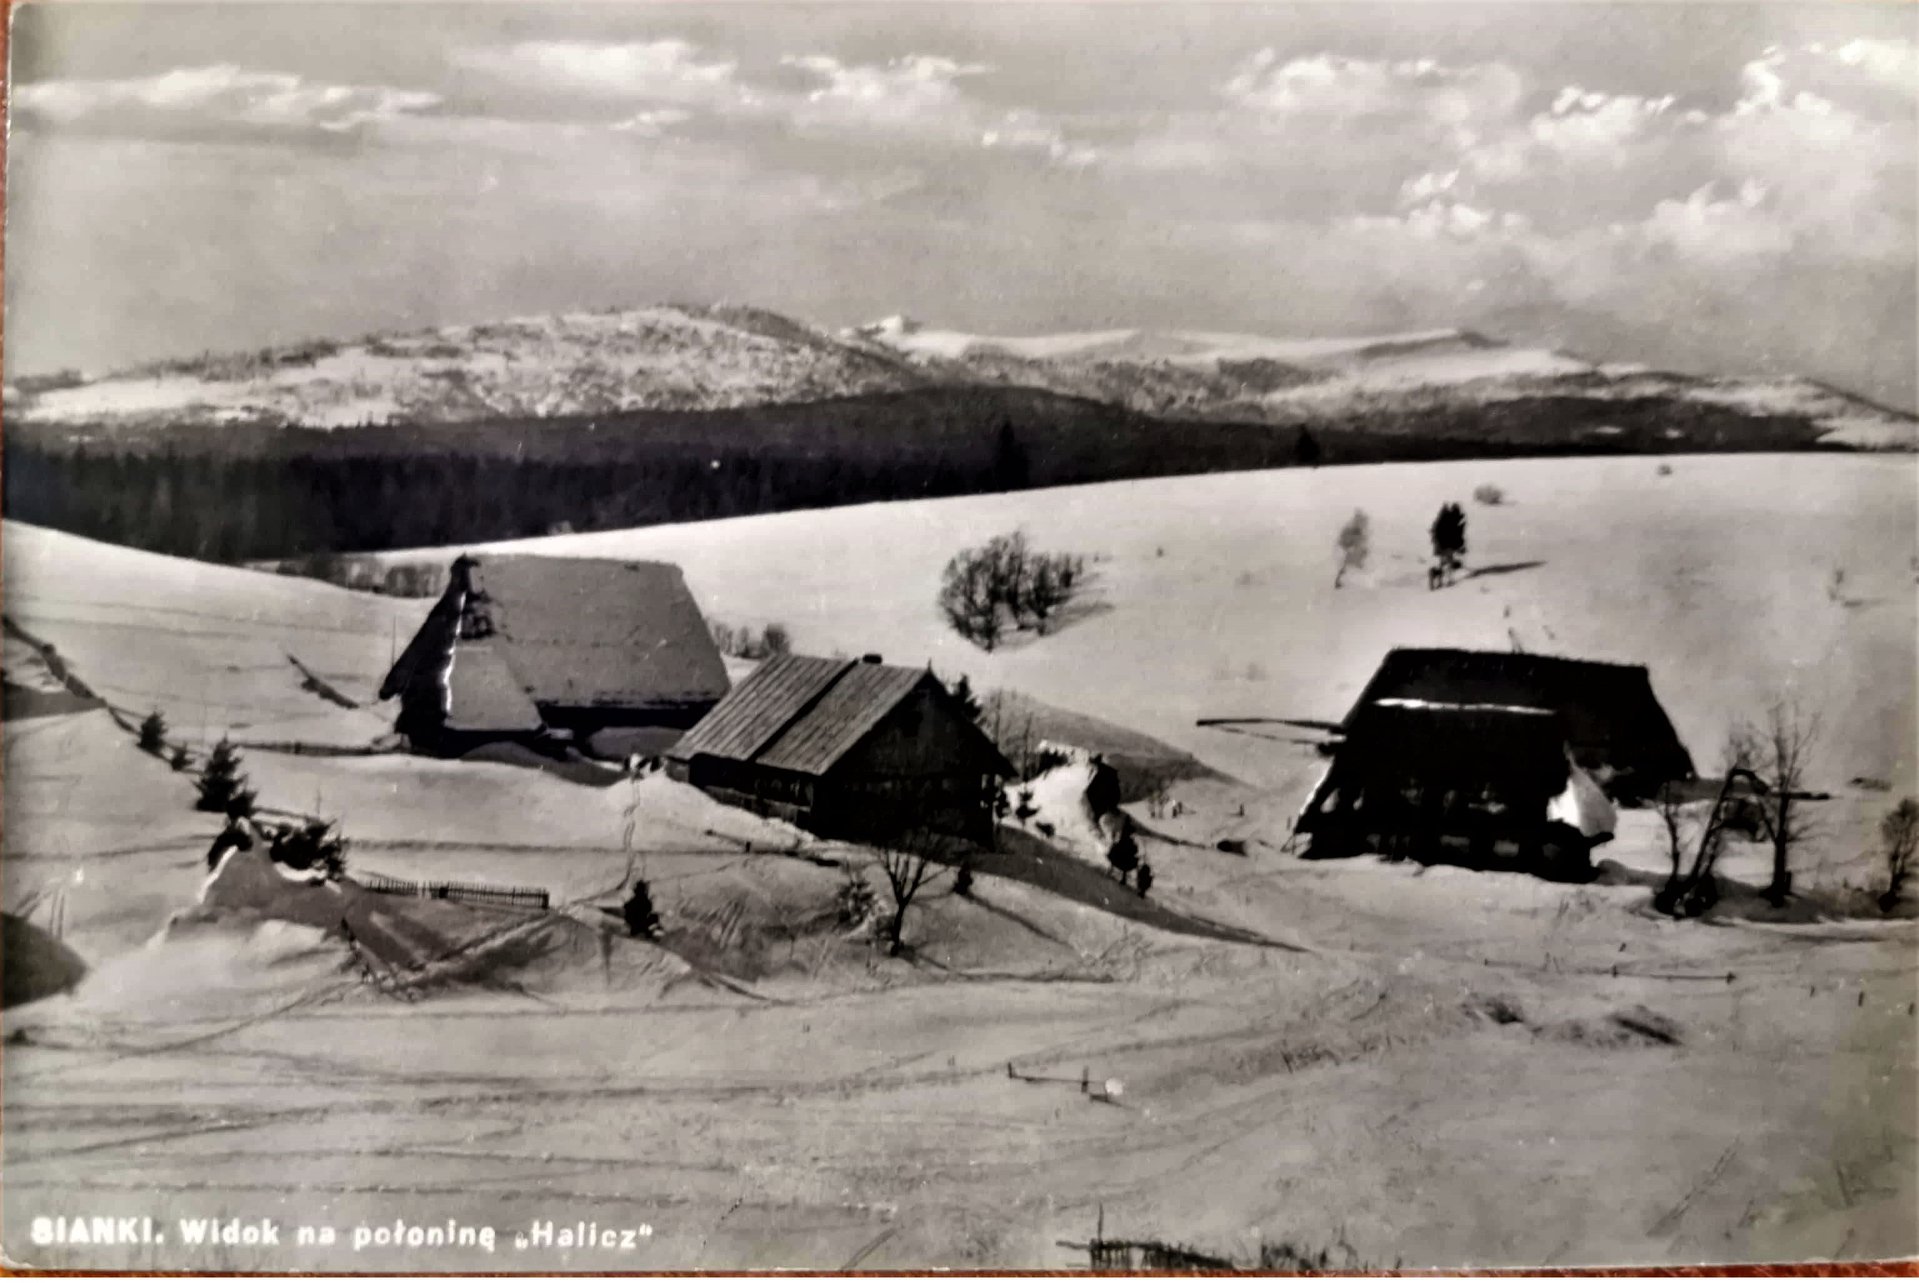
x: 223, y: 789
x: 1449, y: 542
x: 153, y: 733
x: 642, y: 921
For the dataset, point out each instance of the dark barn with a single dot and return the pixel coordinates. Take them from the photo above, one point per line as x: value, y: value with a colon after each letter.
x: 1613, y: 722
x: 1492, y: 752
x: 1414, y: 779
x: 850, y: 748
x: 612, y: 655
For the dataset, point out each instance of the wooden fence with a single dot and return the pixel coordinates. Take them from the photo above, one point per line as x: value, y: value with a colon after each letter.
x: 1129, y: 1257
x: 465, y: 892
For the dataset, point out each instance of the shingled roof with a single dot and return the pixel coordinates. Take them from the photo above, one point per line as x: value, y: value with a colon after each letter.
x: 800, y: 713
x: 562, y: 632
x: 1609, y: 712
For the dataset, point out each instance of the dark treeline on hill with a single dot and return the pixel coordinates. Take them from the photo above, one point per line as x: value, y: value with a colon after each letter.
x: 243, y: 492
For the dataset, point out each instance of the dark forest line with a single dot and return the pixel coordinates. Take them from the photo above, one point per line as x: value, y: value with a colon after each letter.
x: 239, y: 494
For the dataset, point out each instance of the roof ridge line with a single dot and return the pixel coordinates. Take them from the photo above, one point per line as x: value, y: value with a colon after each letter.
x: 807, y: 705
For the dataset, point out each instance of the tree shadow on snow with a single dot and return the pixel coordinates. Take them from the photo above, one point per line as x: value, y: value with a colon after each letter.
x: 1075, y: 613
x: 1503, y: 568
x: 1743, y: 902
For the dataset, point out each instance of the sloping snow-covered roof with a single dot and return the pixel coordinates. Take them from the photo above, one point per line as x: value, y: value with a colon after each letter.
x: 582, y: 631
x: 512, y: 633
x: 1610, y: 712
x: 801, y: 713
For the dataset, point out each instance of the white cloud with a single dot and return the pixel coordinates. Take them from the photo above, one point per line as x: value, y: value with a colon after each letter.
x: 920, y: 96
x: 1024, y: 131
x: 1436, y: 218
x: 1424, y: 187
x: 1861, y: 75
x: 652, y: 123
x: 1359, y: 90
x: 1891, y: 62
x: 1587, y: 121
x: 1714, y: 230
x: 915, y: 85
x: 667, y: 70
x: 222, y: 98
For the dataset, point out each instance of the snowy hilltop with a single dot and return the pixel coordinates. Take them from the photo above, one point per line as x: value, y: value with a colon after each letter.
x: 695, y: 358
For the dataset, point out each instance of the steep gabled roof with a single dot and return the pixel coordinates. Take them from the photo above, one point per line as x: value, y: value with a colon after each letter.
x: 583, y: 631
x: 800, y: 713
x: 1609, y: 710
x: 571, y: 632
x: 841, y: 717
x: 765, y: 702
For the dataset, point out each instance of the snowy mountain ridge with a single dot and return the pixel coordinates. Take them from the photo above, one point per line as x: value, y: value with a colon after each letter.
x: 683, y: 357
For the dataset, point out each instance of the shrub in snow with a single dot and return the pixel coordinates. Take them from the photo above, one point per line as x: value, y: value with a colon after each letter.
x: 1045, y: 760
x: 1491, y: 496
x: 1005, y: 580
x: 312, y: 845
x: 855, y: 901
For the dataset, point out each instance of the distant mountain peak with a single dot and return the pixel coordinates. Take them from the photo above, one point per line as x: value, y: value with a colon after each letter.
x: 886, y: 327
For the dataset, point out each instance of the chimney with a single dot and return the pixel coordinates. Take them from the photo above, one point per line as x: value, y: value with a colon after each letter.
x: 870, y: 657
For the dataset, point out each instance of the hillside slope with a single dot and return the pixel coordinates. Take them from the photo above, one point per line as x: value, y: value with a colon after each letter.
x: 1213, y: 596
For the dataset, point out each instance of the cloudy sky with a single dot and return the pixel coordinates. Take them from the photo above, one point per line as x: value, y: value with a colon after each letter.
x: 1720, y: 187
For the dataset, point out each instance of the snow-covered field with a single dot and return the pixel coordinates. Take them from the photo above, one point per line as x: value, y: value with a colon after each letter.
x: 1430, y: 1065
x: 1213, y: 596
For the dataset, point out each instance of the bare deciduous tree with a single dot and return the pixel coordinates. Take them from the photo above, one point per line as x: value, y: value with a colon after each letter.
x: 912, y: 848
x: 1784, y: 744
x: 1355, y: 545
x: 909, y: 863
x: 1669, y: 805
x: 1900, y: 833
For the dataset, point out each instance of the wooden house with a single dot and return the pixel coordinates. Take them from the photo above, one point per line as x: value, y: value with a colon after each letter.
x: 852, y: 748
x: 612, y: 655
